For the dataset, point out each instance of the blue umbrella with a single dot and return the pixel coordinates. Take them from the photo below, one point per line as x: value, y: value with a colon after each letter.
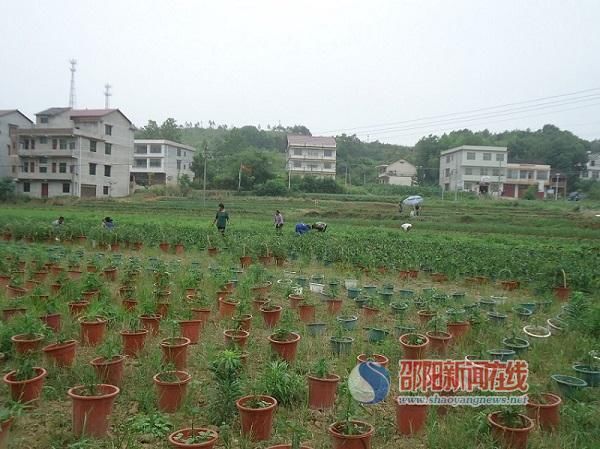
x: 412, y: 200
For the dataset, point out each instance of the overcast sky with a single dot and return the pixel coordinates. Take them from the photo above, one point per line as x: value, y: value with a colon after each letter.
x: 358, y: 66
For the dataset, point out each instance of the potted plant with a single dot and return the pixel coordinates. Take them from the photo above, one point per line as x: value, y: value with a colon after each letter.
x: 348, y: 432
x: 341, y: 344
x: 410, y: 416
x: 92, y: 407
x: 109, y: 365
x: 347, y: 322
x: 190, y: 327
x: 284, y: 343
x: 372, y: 357
x: 438, y: 339
x: 256, y: 415
x: 227, y: 307
x: 588, y: 370
x: 427, y: 313
x: 7, y: 415
x: 271, y: 314
x: 93, y: 328
x: 62, y: 351
x: 91, y: 286
x: 510, y: 428
x: 171, y: 386
x: 175, y: 349
x: 306, y: 310
x: 508, y: 284
x: 149, y: 318
x: 193, y: 438
x: 30, y: 334
x: 562, y: 292
x: 322, y: 386
x: 544, y: 409
x: 414, y: 346
x: 457, y: 326
x: 245, y: 259
x: 26, y: 381
x: 133, y: 337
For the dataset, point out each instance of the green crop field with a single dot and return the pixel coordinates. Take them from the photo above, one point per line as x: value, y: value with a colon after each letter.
x: 491, y: 267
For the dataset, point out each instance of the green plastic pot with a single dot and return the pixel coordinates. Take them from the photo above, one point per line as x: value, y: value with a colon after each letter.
x: 353, y: 292
x: 522, y: 312
x: 360, y: 302
x: 388, y: 288
x: 406, y: 293
x: 588, y: 373
x: 341, y: 345
x: 386, y: 296
x: 487, y: 304
x: 375, y: 335
x: 400, y: 330
x: 316, y: 329
x: 569, y: 386
x: 501, y: 354
x: 302, y: 281
x: 458, y: 295
x: 369, y: 289
x: 516, y: 344
x: 348, y: 322
x: 398, y: 308
x: 497, y: 317
x: 531, y: 306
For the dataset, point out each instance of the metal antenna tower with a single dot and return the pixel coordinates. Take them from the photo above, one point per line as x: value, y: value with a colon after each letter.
x: 73, y: 63
x: 107, y: 95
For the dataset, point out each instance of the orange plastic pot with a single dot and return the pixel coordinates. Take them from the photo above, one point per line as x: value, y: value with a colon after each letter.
x: 286, y: 349
x: 236, y: 338
x: 53, y: 321
x: 92, y: 332
x: 129, y: 304
x: 186, y: 433
x: 334, y: 305
x: 458, y: 329
x: 162, y: 308
x: 110, y: 274
x: 89, y: 295
x: 26, y: 391
x: 546, y: 414
x: 369, y: 313
x: 164, y: 247
x: 322, y: 391
x: 306, y: 313
x: 133, y: 341
x: 175, y: 351
x: 562, y: 293
x: 295, y: 300
x: 202, y: 314
x: 259, y: 303
x: 15, y: 292
x: 11, y: 312
x: 91, y: 413
x: 244, y: 322
x: 377, y: 358
x: 191, y: 329
x: 439, y: 341
x: 410, y: 418
x: 179, y: 249
x: 25, y: 343
x: 271, y: 315
x: 414, y: 352
x: 77, y: 308
x: 256, y: 423
x: 513, y: 438
x: 339, y: 440
x: 61, y: 354
x: 171, y: 394
x: 151, y: 323
x: 425, y: 316
x: 109, y: 371
x: 226, y: 308
x: 245, y: 261
x: 4, y: 432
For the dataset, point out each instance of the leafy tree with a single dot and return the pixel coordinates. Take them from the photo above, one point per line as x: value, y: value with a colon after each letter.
x: 150, y: 131
x: 185, y: 184
x: 7, y: 189
x: 169, y: 130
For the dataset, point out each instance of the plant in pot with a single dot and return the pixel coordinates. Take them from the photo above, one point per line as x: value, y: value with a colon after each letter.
x: 93, y: 325
x: 26, y: 381
x: 510, y: 428
x: 281, y: 382
x: 508, y: 283
x: 175, y: 347
x: 227, y: 369
x: 200, y: 307
x: 340, y: 343
x: 92, y: 405
x: 284, y: 343
x: 171, y: 385
x: 8, y: 413
x: 588, y: 369
x: 62, y: 351
x: 562, y: 292
x: 515, y: 343
x: 256, y: 415
x: 194, y: 438
x: 190, y: 326
x: 458, y: 326
x: 410, y: 415
x: 133, y: 336
x: 322, y: 386
x: 91, y: 286
x: 271, y: 314
x: 438, y: 339
x: 109, y: 363
x: 427, y: 313
x: 297, y: 434
x: 191, y: 281
x: 414, y: 346
x: 543, y: 408
x: 349, y: 433
x: 307, y: 309
x: 29, y: 334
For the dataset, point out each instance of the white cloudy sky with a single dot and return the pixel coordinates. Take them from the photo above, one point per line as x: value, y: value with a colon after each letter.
x: 358, y: 66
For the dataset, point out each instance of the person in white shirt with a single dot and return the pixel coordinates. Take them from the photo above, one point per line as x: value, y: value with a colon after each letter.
x: 58, y: 222
x: 406, y: 226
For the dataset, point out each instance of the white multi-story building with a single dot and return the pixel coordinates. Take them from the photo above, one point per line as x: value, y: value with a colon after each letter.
x: 592, y: 168
x: 161, y: 162
x: 311, y: 156
x: 76, y: 152
x: 10, y: 121
x: 399, y: 173
x: 473, y: 167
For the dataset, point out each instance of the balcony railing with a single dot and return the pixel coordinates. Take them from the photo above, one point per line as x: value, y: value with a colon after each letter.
x: 46, y: 176
x: 48, y: 152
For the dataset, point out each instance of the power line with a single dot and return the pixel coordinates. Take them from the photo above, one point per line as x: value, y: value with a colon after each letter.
x: 595, y: 89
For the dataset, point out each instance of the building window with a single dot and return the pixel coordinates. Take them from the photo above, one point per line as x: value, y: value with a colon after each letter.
x: 447, y: 172
x: 107, y: 171
x: 141, y: 149
x: 108, y: 130
x: 178, y: 164
x: 484, y: 171
x: 448, y: 158
x: 155, y: 163
x: 25, y: 144
x: 495, y: 172
x: 43, y: 169
x: 31, y: 167
x: 43, y: 160
x: 54, y: 144
x: 43, y: 119
x: 178, y: 152
x: 327, y: 165
x: 297, y: 164
x: 71, y: 168
x: 468, y: 171
x: 185, y: 154
x: 328, y: 153
x: 66, y: 187
x: 542, y: 175
x: 595, y: 174
x: 71, y: 145
x: 499, y: 157
x: 43, y: 140
x: 140, y: 163
x: 62, y: 167
x: 584, y: 174
x: 487, y: 156
x: 14, y: 169
x: 93, y: 146
x: 105, y: 190
x: 26, y: 187
x: 92, y: 169
x: 62, y: 143
x: 107, y: 148
x: 53, y: 167
x: 184, y: 166
x: 155, y: 149
x: 297, y: 152
x: 470, y: 156
x: 592, y: 163
x: 25, y: 167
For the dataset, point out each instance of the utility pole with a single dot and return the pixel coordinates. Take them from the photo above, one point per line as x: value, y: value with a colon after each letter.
x: 346, y: 176
x: 556, y: 187
x: 204, y: 181
x: 107, y: 95
x: 73, y: 63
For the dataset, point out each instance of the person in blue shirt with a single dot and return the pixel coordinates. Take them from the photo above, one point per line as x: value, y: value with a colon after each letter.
x: 107, y: 223
x: 302, y: 228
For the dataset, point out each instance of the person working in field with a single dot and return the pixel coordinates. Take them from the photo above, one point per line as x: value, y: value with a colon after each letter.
x: 278, y: 221
x: 320, y: 226
x: 108, y: 223
x: 302, y: 228
x: 221, y: 219
x: 59, y: 222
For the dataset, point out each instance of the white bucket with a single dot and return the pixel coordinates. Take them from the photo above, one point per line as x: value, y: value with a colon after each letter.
x: 350, y: 283
x: 316, y: 288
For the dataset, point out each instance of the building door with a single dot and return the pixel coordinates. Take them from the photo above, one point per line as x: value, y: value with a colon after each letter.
x: 88, y: 191
x: 44, y: 190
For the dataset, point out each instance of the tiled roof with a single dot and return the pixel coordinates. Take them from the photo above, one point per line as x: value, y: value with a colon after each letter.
x: 52, y: 111
x: 12, y: 111
x: 310, y: 141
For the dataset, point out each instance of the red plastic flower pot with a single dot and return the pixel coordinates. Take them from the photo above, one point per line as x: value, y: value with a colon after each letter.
x: 175, y: 351
x: 439, y: 341
x: 322, y: 391
x: 334, y: 305
x: 243, y: 322
x: 547, y: 412
x: 61, y: 354
x: 295, y: 300
x: 509, y: 437
x: 164, y: 247
x: 162, y: 308
x: 77, y: 308
x: 562, y: 293
x: 151, y: 323
x: 259, y: 303
x: 410, y: 418
x: 11, y: 312
x: 53, y: 321
x: 426, y: 315
x: 15, y: 292
x: 236, y: 338
x: 369, y: 313
x: 226, y: 308
x: 202, y: 314
x: 261, y: 291
x: 25, y: 343
x: 414, y: 352
x: 179, y: 249
x: 92, y: 332
x: 286, y: 349
x: 307, y: 313
x: 191, y: 329
x: 213, y: 251
x: 245, y: 261
x: 74, y: 274
x: 109, y: 371
x: 256, y: 423
x: 40, y: 276
x: 89, y: 295
x: 4, y: 432
x: 129, y: 304
x: 377, y: 358
x: 26, y: 391
x: 271, y: 315
x: 110, y: 274
x: 171, y: 392
x: 133, y: 341
x: 360, y: 440
x: 92, y: 412
x: 175, y: 437
x: 458, y: 329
